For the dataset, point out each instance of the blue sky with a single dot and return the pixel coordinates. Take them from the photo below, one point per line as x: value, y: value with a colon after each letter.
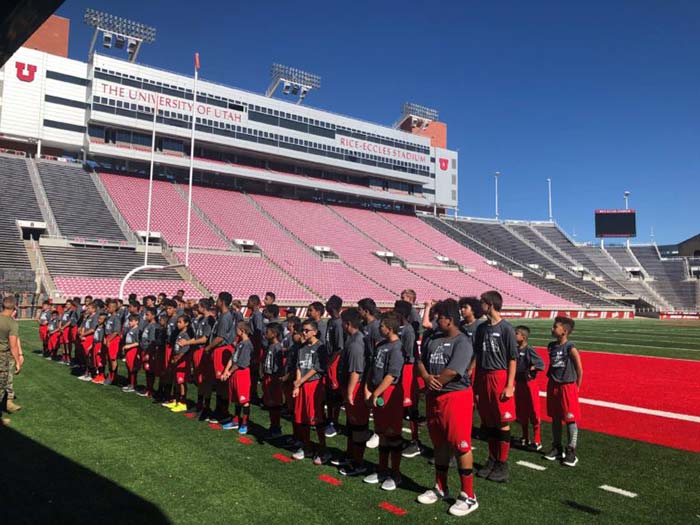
x: 600, y: 96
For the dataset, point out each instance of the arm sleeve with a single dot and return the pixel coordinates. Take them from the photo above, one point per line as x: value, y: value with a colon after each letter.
x: 14, y: 329
x: 356, y: 358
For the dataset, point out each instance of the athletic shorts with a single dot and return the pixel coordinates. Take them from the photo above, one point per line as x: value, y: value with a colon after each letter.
x: 527, y: 402
x: 449, y: 418
x: 113, y: 348
x: 388, y: 419
x: 182, y: 369
x: 97, y: 350
x: 133, y: 359
x: 407, y: 384
x: 331, y: 378
x: 562, y: 401
x: 308, y: 405
x: 220, y: 356
x: 358, y: 413
x: 272, y: 391
x: 53, y: 340
x: 43, y: 332
x: 66, y: 335
x: 239, y: 386
x: 492, y: 411
x: 87, y: 345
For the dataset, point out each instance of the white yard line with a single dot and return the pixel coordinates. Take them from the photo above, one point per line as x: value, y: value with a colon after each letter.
x: 637, y: 410
x: 621, y: 492
x: 533, y: 466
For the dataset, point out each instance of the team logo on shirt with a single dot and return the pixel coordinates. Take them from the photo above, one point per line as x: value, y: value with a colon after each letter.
x: 507, y: 415
x: 25, y: 72
x: 463, y: 445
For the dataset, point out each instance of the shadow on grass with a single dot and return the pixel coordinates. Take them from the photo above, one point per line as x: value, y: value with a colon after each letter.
x: 41, y: 486
x: 582, y: 508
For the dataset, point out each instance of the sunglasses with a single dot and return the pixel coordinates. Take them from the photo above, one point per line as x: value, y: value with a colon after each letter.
x: 307, y: 330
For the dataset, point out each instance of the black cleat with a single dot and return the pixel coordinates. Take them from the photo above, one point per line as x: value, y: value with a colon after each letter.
x: 485, y: 471
x: 570, y: 458
x: 499, y: 473
x: 553, y: 454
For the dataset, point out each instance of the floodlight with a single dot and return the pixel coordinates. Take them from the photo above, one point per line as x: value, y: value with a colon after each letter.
x: 120, y: 31
x: 416, y: 110
x: 295, y: 81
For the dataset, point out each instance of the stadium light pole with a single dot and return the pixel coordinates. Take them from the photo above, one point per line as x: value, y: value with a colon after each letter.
x: 496, y: 177
x: 627, y: 207
x: 549, y: 199
x: 150, y: 183
x: 194, y: 126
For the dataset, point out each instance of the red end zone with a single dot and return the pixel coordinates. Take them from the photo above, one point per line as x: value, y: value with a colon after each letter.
x: 638, y: 382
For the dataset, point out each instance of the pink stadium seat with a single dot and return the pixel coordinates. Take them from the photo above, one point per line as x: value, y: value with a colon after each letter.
x: 243, y: 275
x: 248, y: 222
x: 168, y: 212
x: 82, y: 286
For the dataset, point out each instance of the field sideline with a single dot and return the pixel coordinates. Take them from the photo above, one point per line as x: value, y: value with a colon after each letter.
x: 84, y: 452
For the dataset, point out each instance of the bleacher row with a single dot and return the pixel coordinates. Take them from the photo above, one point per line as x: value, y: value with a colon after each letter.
x: 534, y: 265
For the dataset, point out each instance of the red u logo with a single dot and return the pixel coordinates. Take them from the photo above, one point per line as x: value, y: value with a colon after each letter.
x: 25, y: 72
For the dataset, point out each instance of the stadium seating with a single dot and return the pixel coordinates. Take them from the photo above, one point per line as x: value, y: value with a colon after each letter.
x: 509, y: 263
x: 82, y: 286
x: 671, y: 277
x: 495, y: 279
x: 316, y: 224
x: 242, y: 275
x: 168, y: 211
x: 248, y: 222
x: 17, y: 202
x: 76, y: 204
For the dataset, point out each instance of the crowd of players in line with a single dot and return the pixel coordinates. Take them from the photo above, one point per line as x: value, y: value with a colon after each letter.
x: 459, y: 355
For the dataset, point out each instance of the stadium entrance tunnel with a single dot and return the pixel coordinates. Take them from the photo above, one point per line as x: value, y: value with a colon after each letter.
x: 41, y: 486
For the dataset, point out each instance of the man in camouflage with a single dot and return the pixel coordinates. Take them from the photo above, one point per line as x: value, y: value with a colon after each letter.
x: 11, y: 357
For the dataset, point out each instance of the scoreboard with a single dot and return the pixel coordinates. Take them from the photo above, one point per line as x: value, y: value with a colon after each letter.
x: 615, y: 223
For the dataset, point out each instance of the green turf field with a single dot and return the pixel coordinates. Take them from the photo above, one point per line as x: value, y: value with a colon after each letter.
x: 81, y: 452
x: 677, y: 339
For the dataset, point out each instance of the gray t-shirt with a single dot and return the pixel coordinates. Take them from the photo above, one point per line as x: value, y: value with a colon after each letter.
x: 272, y: 364
x: 334, y: 336
x: 495, y: 346
x: 561, y: 365
x: 387, y: 359
x: 242, y: 354
x: 99, y: 334
x: 178, y: 347
x: 204, y: 327
x: 352, y: 359
x: 408, y: 343
x: 225, y: 328
x: 372, y: 334
x: 312, y: 357
x: 44, y: 317
x: 171, y: 330
x: 149, y: 336
x: 454, y: 353
x: 527, y: 358
x: 113, y: 324
x: 322, y: 329
x: 290, y: 363
x: 469, y: 329
x: 131, y: 336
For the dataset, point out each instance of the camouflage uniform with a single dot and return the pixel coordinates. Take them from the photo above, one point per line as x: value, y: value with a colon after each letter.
x: 7, y: 367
